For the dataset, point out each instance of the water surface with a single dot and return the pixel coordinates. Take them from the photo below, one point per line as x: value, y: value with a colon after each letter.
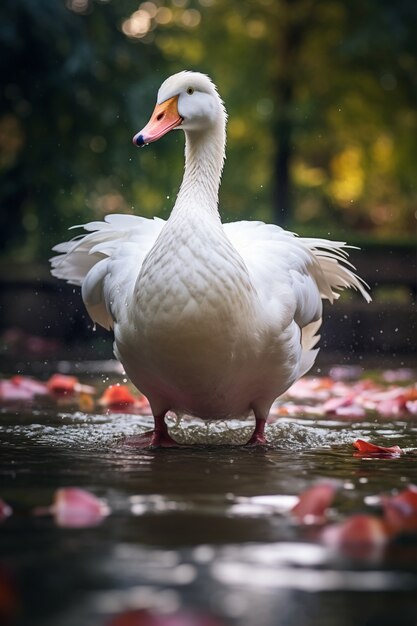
x: 204, y: 527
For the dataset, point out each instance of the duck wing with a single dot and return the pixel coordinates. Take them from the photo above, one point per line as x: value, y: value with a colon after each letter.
x: 274, y: 255
x: 106, y: 262
x: 292, y: 275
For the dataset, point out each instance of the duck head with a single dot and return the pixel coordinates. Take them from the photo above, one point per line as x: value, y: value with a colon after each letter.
x: 187, y: 100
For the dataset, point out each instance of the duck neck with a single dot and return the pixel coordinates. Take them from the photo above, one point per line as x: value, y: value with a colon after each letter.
x: 204, y: 158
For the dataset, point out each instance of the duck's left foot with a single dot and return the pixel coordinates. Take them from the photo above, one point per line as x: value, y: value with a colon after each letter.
x: 258, y: 436
x: 151, y: 439
x: 256, y: 440
x: 157, y: 438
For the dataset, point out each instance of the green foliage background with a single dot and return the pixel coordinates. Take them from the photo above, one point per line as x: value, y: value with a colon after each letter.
x: 321, y: 96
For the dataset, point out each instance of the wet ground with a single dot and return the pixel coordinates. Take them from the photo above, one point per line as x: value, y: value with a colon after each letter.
x: 205, y: 528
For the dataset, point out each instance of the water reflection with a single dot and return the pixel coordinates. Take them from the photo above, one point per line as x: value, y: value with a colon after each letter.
x: 203, y: 527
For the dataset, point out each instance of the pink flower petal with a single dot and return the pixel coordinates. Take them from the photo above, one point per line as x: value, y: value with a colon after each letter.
x: 400, y: 511
x: 411, y: 406
x: 11, y: 392
x: 335, y: 403
x: 359, y: 532
x: 350, y: 411
x: 117, y: 397
x: 390, y: 407
x: 315, y: 388
x: 314, y: 502
x: 5, y: 510
x: 77, y: 508
x: 61, y: 384
x: 21, y: 389
x: 36, y: 387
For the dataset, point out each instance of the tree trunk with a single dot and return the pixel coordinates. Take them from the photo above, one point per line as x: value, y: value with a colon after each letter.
x: 291, y: 26
x: 281, y: 171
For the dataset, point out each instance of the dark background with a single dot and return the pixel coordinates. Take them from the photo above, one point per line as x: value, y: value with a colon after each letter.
x: 321, y: 96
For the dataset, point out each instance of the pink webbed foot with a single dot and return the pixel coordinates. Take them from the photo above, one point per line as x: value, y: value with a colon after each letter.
x: 256, y: 440
x: 258, y: 435
x: 151, y: 439
x: 157, y: 438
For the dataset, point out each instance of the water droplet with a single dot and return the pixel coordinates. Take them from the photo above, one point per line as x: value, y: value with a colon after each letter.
x: 94, y: 327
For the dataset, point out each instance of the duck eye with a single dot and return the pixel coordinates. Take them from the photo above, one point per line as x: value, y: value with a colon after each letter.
x: 190, y: 91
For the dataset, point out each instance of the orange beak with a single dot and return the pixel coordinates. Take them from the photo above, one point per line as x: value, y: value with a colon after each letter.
x: 164, y: 118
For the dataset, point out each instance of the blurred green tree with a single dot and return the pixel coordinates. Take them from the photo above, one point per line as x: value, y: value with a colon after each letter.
x: 65, y: 117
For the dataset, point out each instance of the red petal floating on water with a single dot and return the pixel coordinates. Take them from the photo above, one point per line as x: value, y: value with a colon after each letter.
x: 77, y: 508
x: 371, y: 449
x: 120, y: 398
x: 142, y: 617
x: 400, y: 511
x: 62, y: 384
x: 5, y: 510
x: 313, y: 503
x: 358, y: 531
x: 117, y: 397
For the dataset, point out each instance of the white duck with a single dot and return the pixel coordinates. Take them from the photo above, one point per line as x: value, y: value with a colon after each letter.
x: 211, y: 320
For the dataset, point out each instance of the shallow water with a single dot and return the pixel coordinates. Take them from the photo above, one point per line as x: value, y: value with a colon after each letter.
x: 203, y: 527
